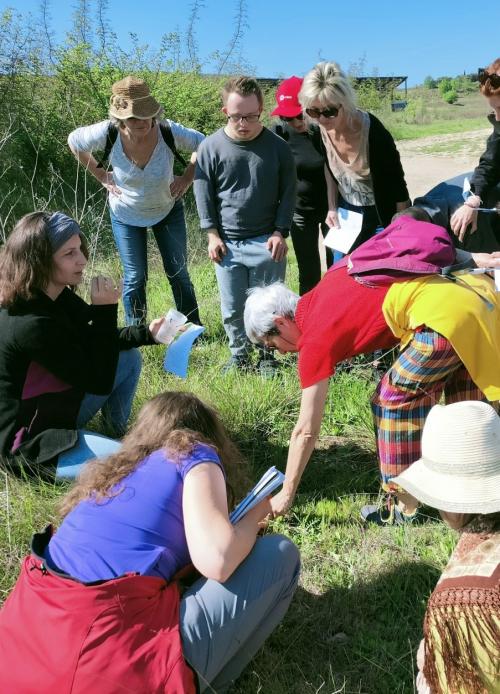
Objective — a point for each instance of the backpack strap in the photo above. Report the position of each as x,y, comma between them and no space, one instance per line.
111,136
166,133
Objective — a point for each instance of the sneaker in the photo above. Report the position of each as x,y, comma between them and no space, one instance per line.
268,367
388,513
236,364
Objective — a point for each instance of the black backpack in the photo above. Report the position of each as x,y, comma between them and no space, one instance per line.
166,133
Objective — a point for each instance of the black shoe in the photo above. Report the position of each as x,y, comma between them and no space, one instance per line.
236,364
268,367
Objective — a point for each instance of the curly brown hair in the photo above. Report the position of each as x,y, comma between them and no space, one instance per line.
172,421
26,259
487,88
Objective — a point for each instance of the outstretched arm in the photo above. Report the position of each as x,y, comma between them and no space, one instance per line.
302,442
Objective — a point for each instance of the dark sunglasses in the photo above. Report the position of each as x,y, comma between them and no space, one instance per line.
494,79
316,113
287,119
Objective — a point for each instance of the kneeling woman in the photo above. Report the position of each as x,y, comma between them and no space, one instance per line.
448,329
61,360
97,605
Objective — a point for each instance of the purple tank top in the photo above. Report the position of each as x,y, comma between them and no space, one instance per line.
139,530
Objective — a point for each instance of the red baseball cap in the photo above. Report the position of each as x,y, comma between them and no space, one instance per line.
287,98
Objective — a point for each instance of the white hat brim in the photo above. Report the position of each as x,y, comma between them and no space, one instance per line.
455,494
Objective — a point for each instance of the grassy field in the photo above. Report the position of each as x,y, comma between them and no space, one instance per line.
355,623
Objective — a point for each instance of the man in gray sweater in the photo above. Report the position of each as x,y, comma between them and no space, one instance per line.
245,194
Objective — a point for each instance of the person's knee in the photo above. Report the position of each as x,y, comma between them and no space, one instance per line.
285,554
130,361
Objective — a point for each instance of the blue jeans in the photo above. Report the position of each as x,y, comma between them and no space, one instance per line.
247,264
89,445
223,625
116,406
170,235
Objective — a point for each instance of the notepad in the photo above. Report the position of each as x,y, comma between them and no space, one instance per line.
268,483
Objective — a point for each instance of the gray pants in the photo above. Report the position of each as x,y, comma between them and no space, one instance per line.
224,624
247,264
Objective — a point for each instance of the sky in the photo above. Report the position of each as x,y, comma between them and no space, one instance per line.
409,37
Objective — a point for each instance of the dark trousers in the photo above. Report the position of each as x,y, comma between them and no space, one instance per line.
304,233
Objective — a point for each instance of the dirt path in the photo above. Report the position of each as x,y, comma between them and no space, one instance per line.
430,160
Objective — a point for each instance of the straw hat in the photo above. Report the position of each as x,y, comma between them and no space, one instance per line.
459,470
131,98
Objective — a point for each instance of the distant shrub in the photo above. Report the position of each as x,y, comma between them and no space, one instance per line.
430,82
445,85
450,96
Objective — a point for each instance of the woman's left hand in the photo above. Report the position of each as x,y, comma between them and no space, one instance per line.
154,326
179,186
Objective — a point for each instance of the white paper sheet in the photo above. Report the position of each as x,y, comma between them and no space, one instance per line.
350,225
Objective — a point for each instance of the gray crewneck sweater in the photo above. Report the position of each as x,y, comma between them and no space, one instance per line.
245,188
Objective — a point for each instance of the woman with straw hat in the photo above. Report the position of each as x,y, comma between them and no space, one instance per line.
459,474
143,191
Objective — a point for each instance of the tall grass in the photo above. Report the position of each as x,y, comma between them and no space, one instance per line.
355,623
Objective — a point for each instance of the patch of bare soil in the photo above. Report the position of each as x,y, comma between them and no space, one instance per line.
430,160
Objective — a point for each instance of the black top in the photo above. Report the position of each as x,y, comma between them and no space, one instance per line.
78,344
487,173
389,185
309,160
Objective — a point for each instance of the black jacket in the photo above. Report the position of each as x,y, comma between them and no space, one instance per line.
487,173
389,185
79,345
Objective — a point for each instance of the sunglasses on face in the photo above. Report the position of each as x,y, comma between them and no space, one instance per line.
250,118
494,79
316,113
288,119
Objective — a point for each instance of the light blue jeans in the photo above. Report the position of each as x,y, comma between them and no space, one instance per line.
247,264
223,625
115,408
170,235
117,405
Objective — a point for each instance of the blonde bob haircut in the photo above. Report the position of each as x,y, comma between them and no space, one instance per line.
328,84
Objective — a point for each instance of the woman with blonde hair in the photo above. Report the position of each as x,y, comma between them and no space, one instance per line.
363,168
97,605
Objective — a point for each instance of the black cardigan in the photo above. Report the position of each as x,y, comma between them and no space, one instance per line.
389,185
77,343
487,173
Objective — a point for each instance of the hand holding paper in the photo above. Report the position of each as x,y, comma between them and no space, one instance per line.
343,238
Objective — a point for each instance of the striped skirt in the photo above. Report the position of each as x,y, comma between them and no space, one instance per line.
427,368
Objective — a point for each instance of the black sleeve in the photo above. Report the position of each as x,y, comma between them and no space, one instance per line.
84,356
385,161
487,172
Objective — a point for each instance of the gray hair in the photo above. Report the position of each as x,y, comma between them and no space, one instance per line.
328,84
263,305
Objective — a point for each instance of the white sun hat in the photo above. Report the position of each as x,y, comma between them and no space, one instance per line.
459,470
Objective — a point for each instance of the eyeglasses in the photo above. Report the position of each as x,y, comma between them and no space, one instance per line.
250,118
494,79
272,332
288,119
316,113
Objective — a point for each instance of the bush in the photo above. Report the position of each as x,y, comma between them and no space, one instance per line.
450,96
430,82
445,85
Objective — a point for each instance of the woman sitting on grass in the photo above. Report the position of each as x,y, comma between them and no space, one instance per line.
97,605
61,360
459,474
